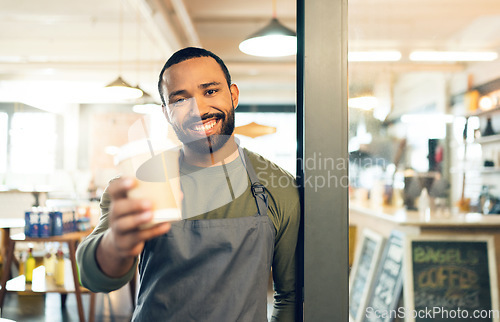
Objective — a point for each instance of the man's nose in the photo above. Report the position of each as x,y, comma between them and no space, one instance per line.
199,106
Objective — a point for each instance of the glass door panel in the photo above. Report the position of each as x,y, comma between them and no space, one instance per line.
424,122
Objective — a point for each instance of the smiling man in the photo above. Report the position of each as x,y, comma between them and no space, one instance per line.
200,107
215,264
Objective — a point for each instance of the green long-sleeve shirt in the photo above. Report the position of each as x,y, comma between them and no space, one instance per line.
207,195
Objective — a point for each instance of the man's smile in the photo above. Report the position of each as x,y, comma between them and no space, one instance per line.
206,127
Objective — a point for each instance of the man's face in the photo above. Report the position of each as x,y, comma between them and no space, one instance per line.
200,105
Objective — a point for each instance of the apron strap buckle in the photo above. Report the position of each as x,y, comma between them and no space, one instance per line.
259,191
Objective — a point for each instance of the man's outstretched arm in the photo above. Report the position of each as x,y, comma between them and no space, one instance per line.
107,257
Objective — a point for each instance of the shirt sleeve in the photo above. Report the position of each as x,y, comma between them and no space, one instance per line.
91,275
284,265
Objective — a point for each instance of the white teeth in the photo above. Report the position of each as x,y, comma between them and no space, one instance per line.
205,127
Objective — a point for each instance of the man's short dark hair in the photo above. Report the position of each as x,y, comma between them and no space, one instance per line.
188,53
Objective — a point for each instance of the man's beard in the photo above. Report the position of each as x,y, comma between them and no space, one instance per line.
210,143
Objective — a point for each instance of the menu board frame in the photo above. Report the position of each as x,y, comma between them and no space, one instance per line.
387,282
379,240
409,268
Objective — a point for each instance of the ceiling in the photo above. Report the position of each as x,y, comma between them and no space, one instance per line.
59,50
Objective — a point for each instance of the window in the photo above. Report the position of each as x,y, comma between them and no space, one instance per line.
279,147
3,141
32,143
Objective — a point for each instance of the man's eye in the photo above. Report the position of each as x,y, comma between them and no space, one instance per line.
179,101
211,91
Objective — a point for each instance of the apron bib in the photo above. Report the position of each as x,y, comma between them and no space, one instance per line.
209,270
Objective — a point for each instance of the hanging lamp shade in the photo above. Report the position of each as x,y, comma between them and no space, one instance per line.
274,40
120,89
254,130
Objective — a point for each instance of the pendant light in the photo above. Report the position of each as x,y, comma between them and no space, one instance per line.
274,40
145,104
119,88
254,130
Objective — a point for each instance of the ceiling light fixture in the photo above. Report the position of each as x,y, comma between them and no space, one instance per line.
274,40
145,104
120,89
254,130
486,103
360,56
453,56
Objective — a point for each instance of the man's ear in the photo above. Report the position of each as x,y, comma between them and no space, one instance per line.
235,94
165,112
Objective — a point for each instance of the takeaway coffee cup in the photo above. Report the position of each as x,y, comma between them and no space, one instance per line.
157,177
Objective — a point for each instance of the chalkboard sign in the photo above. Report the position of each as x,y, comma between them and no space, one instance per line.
361,276
451,278
388,282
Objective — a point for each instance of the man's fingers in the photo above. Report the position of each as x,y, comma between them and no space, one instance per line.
161,229
124,207
131,223
131,243
154,231
128,217
119,187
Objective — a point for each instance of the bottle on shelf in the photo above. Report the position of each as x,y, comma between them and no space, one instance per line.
424,205
59,269
48,262
489,128
30,266
22,262
484,197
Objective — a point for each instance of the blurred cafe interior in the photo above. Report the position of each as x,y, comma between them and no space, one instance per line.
423,141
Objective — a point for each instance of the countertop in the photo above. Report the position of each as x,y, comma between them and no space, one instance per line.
442,218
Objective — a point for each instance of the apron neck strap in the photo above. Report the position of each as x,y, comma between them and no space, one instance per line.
258,189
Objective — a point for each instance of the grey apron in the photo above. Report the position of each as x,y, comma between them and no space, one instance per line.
209,270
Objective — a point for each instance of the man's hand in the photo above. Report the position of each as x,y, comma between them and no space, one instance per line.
124,241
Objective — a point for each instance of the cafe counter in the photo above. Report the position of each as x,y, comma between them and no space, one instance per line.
418,222
438,259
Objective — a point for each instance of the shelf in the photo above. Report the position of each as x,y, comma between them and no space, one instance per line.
77,235
491,170
494,110
44,284
488,139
